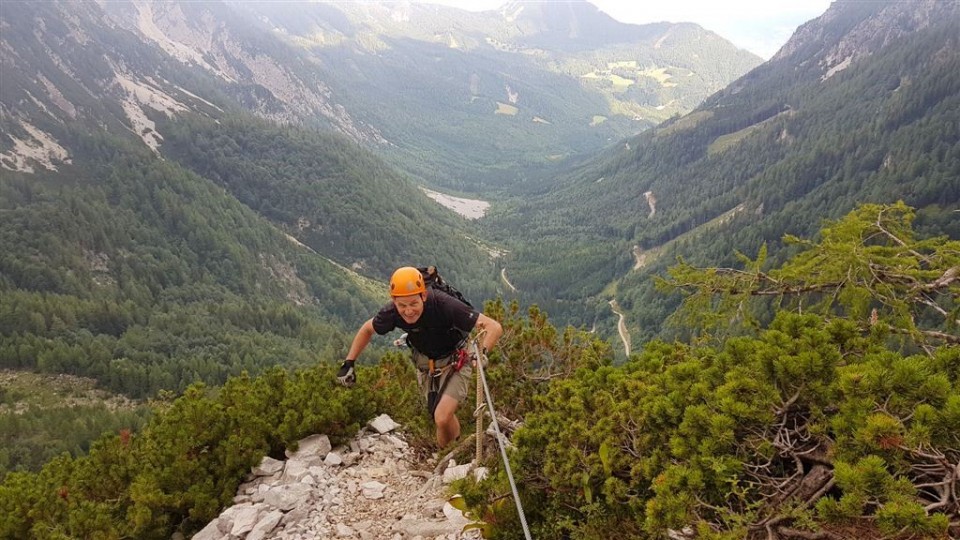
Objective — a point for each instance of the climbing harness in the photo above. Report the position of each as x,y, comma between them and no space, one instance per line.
500,441
454,362
484,401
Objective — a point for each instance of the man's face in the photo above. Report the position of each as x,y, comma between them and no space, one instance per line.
409,307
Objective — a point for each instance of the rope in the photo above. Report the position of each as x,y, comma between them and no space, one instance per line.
500,442
478,415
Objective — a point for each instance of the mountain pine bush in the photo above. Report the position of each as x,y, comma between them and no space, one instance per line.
840,418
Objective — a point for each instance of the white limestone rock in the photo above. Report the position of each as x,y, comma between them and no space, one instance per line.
373,490
267,467
378,480
383,424
312,447
396,442
426,528
456,472
244,520
296,469
265,525
288,497
210,532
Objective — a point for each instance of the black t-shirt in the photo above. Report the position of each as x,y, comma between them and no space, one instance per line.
443,323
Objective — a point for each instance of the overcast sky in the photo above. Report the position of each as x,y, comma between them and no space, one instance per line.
760,26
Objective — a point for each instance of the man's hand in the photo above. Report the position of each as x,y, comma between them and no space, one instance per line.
347,376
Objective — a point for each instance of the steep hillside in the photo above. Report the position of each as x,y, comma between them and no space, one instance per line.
145,276
90,62
155,233
464,97
459,99
336,199
862,105
113,70
43,416
818,425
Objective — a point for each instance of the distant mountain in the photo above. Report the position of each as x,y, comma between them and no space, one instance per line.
573,26
158,231
462,97
862,105
114,65
72,67
455,97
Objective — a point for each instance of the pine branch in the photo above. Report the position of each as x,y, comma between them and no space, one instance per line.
933,334
897,240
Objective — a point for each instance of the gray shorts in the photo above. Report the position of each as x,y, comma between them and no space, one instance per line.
458,385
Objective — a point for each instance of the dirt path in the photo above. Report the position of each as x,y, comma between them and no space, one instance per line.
374,488
621,327
503,276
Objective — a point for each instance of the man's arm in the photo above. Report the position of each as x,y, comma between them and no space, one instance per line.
492,333
361,340
347,376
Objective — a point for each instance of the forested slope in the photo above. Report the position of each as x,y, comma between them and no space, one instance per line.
332,196
145,276
834,423
835,420
793,142
139,273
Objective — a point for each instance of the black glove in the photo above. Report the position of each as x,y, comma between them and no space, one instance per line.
347,376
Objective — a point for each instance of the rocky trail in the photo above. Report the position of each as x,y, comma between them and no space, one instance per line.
373,488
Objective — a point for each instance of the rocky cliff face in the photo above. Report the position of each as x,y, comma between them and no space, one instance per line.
121,66
429,87
265,75
850,30
374,488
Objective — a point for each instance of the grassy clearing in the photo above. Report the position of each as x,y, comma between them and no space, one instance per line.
660,74
689,121
725,142
21,390
620,84
643,258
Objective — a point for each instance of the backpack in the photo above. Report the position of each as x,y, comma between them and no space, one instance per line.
432,279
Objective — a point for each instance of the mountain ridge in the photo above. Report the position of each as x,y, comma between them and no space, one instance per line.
784,136
303,66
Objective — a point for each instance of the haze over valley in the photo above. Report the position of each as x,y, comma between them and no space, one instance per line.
728,281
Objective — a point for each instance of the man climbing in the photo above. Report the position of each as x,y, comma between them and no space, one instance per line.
436,325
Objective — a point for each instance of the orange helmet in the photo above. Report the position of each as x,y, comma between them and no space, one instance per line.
406,281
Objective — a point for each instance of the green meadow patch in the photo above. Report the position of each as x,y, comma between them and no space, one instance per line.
724,142
685,123
597,120
503,108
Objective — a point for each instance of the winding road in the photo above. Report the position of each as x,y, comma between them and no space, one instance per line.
621,327
503,276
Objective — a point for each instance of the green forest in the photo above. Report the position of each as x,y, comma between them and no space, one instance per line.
883,130
835,419
331,195
154,279
148,275
786,258
146,278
